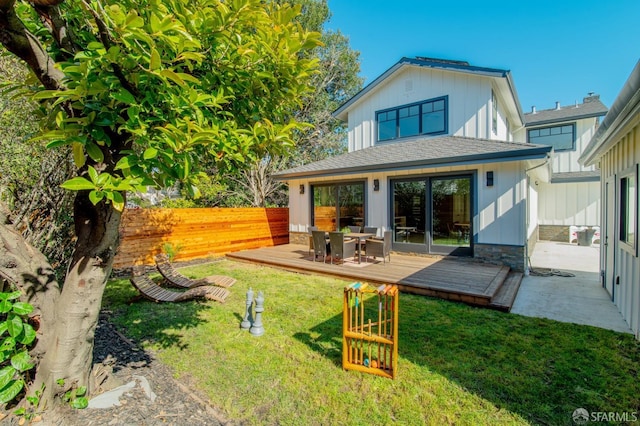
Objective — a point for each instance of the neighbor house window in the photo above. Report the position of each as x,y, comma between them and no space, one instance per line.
421,118
561,138
494,116
628,209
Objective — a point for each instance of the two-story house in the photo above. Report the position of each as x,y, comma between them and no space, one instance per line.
432,156
572,196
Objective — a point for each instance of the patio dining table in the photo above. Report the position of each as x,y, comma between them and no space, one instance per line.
360,236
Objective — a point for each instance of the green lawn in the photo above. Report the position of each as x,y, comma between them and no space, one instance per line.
457,364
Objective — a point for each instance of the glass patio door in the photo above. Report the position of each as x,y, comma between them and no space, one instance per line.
433,215
338,206
409,213
450,215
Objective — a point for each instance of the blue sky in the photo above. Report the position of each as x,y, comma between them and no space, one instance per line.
556,50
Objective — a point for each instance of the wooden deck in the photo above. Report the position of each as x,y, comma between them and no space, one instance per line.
445,277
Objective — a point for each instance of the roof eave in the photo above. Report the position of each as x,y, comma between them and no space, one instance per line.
493,157
565,119
624,107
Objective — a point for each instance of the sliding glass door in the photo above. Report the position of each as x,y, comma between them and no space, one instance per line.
433,214
450,214
409,212
337,206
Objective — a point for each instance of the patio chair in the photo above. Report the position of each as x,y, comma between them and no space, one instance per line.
311,229
371,230
152,291
379,248
354,228
454,231
176,279
319,245
341,248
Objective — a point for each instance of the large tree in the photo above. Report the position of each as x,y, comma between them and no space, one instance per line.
335,82
140,91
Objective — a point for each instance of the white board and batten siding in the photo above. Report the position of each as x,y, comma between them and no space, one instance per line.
569,204
623,156
501,209
567,161
469,104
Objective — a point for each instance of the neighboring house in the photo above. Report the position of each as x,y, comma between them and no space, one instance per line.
615,150
572,197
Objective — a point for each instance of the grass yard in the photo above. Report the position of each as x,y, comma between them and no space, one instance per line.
457,364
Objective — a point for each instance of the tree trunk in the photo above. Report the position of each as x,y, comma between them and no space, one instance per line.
70,354
28,269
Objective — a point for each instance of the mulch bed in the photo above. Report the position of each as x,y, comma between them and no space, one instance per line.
175,403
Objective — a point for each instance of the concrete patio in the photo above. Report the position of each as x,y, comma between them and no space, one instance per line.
580,299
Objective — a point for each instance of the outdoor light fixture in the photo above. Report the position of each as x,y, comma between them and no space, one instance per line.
489,178
301,189
376,185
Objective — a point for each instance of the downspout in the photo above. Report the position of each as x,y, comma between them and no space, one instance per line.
526,225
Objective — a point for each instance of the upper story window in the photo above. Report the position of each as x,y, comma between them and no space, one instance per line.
494,115
561,138
421,118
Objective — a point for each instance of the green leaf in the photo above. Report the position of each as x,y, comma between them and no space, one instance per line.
94,152
22,361
78,154
8,344
124,96
6,374
3,327
155,62
28,335
22,308
96,196
14,325
77,184
93,175
5,306
150,153
59,118
188,77
94,45
118,201
9,392
171,75
80,403
13,295
126,162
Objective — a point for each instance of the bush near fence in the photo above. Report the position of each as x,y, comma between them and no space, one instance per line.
198,233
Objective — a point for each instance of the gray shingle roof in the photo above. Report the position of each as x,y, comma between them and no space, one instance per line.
418,153
592,107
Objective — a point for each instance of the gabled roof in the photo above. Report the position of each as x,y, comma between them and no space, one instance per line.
624,108
590,107
418,153
456,66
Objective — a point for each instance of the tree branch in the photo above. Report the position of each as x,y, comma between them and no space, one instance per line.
15,37
105,38
57,26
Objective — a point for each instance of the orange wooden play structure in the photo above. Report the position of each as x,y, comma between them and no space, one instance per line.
370,346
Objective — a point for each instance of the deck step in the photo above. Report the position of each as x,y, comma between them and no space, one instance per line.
497,282
506,294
